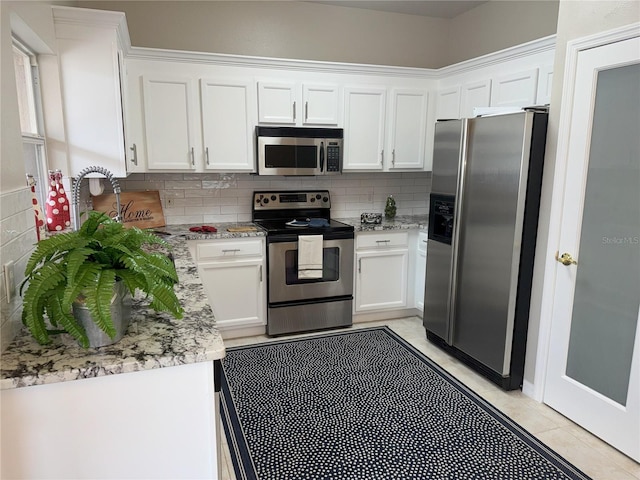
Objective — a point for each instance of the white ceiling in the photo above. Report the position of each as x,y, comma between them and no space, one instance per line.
427,8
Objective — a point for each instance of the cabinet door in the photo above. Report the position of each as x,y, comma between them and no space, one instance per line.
408,128
545,81
515,90
169,125
91,98
476,94
235,291
320,104
277,102
364,128
227,125
381,280
421,270
448,103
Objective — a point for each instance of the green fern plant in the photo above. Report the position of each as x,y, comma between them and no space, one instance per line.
84,265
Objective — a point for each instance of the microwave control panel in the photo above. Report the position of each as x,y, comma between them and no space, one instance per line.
333,157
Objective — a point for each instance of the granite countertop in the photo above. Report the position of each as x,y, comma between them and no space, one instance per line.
401,222
183,231
153,340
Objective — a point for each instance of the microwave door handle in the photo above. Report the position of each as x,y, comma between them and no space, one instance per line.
321,157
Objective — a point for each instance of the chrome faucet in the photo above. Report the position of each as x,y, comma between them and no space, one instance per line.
75,202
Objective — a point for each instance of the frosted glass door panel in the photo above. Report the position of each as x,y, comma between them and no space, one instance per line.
607,291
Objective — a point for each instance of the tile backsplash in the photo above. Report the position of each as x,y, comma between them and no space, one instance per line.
17,241
209,198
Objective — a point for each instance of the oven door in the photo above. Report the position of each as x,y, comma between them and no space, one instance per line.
337,274
290,156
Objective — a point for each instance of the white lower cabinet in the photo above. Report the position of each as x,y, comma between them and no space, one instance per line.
382,265
233,275
421,270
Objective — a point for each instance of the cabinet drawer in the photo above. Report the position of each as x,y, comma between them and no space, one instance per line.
382,240
224,248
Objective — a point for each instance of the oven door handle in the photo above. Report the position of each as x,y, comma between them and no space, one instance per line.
321,157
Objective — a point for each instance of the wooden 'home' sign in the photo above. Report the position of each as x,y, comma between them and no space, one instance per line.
138,209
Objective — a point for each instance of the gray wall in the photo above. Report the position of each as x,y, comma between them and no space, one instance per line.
304,30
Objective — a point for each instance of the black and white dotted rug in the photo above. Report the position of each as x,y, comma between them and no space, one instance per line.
366,405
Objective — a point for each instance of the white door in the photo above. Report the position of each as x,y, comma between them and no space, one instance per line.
593,371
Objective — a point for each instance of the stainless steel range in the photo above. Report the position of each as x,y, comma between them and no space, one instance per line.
309,261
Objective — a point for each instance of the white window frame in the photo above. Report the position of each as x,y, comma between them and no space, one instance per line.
35,140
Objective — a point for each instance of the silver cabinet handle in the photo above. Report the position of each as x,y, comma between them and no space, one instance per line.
386,242
393,157
294,111
206,154
424,241
381,157
359,265
260,273
193,157
306,111
231,250
134,149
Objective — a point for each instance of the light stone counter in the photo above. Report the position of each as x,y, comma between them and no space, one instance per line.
402,222
153,340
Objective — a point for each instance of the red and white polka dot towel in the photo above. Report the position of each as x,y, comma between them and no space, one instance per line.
57,208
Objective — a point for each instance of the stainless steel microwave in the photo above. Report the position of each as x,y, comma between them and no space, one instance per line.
299,151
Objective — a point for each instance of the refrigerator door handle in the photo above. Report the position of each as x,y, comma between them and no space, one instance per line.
462,165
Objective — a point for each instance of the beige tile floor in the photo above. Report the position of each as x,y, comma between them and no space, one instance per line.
585,451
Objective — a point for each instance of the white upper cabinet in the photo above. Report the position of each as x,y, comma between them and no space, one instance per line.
169,111
474,95
408,128
515,89
364,126
227,124
381,138
90,47
291,103
197,121
448,103
517,77
320,103
545,80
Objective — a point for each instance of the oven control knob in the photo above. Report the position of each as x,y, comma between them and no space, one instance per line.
265,201
273,198
312,199
318,196
325,199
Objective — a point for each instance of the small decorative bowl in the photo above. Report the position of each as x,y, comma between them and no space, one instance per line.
371,218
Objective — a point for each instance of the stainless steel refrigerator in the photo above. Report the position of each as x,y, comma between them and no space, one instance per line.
485,195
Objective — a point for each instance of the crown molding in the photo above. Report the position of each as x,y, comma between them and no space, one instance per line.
95,18
541,45
182,56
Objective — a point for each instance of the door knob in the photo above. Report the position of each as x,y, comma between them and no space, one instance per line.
566,259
